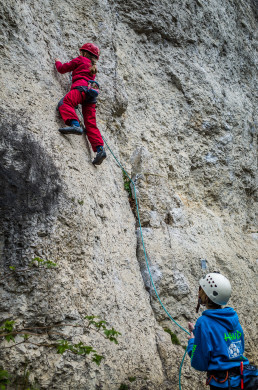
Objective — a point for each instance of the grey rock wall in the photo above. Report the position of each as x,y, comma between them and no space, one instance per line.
177,107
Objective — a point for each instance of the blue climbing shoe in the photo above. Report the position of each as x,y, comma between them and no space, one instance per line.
100,156
71,130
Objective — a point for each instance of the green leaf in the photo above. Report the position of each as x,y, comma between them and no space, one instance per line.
4,378
47,263
62,346
3,374
90,318
50,264
127,186
97,359
8,326
38,260
132,378
78,349
100,324
81,349
110,335
123,387
9,338
12,267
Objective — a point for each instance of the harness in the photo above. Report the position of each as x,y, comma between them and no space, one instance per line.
247,372
90,92
223,376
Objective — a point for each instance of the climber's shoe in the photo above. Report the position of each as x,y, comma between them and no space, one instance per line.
71,130
100,156
74,128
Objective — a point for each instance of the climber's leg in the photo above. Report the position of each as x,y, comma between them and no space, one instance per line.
93,133
66,108
100,156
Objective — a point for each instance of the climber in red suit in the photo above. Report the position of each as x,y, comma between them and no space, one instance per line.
84,91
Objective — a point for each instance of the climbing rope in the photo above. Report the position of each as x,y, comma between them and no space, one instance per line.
146,258
180,369
145,254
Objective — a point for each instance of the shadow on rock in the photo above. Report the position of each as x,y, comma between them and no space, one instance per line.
30,188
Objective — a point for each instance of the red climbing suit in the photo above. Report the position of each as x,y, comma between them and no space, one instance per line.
80,68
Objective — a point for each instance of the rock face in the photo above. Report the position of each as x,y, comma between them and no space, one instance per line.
177,107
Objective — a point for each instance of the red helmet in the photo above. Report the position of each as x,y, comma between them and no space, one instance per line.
91,48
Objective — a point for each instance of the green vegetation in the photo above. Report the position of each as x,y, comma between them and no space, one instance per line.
132,378
33,335
44,263
127,186
123,386
36,262
173,336
9,331
4,378
21,382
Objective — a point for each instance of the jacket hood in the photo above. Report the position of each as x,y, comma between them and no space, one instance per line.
227,317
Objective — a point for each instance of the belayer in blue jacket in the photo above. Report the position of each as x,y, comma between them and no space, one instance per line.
216,344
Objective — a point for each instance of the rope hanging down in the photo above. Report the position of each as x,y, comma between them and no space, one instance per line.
145,254
146,258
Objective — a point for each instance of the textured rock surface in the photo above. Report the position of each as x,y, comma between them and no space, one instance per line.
177,106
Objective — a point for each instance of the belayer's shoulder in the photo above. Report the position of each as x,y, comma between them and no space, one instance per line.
200,321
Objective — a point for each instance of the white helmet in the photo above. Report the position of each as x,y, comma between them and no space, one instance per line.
217,287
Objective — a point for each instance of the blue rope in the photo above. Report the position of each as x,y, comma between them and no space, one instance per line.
146,259
145,254
180,369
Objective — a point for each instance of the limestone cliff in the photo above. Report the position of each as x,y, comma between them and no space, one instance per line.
177,107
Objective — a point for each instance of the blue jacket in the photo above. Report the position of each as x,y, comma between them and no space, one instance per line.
218,343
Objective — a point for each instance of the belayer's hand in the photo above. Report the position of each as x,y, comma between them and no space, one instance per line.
190,326
191,336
